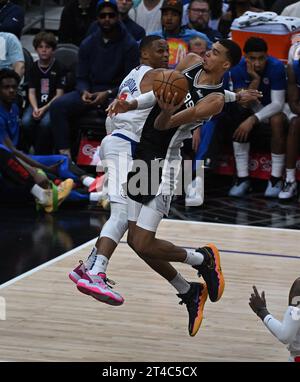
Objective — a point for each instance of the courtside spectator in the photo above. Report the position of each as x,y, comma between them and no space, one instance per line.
147,15
16,166
178,36
259,71
199,17
105,58
46,83
11,53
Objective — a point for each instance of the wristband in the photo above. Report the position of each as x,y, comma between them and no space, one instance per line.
231,96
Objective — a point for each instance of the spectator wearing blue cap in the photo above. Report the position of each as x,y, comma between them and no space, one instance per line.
105,58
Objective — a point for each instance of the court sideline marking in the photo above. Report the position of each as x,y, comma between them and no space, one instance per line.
88,243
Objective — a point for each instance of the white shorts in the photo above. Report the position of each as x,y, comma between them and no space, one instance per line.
116,157
148,216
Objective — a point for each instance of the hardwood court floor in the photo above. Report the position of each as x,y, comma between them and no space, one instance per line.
48,320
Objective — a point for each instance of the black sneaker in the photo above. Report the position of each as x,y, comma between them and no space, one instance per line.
194,299
211,271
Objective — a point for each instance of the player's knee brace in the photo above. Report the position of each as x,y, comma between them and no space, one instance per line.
117,224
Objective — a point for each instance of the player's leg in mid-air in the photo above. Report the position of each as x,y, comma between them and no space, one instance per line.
143,223
90,276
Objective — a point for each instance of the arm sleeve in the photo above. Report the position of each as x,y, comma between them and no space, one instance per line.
276,105
286,330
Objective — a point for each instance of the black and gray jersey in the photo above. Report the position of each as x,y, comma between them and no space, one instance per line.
165,144
160,143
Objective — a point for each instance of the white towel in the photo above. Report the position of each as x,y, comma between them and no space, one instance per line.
249,19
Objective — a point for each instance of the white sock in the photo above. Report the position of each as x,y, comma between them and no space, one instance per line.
99,266
278,161
180,284
241,154
290,175
193,257
91,259
87,181
40,193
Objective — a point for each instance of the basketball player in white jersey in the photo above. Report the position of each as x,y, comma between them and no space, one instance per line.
287,331
116,155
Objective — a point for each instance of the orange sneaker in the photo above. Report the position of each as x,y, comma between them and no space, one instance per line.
195,300
211,271
57,195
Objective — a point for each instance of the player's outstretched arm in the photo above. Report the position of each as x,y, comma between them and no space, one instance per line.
120,106
244,97
143,101
210,105
284,331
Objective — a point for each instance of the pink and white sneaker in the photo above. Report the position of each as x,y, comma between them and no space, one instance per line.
97,287
77,272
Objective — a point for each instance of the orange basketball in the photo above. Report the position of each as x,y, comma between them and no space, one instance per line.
171,81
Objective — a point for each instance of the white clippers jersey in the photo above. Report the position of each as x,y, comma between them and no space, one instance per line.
132,122
287,331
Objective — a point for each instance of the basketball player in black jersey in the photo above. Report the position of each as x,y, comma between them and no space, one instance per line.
157,145
161,139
